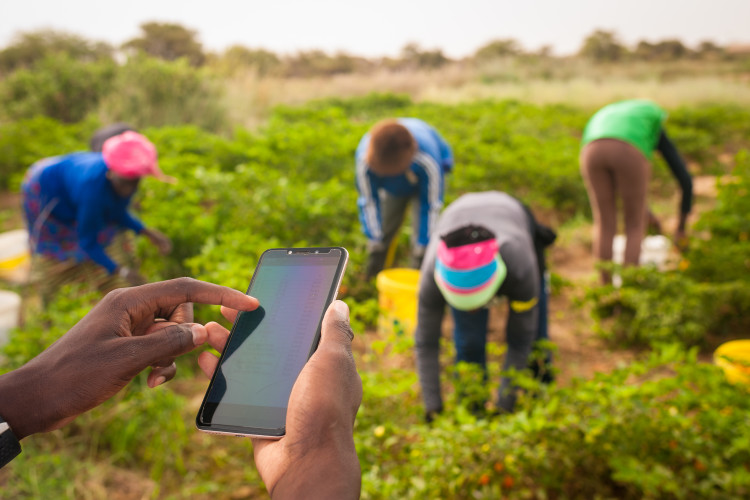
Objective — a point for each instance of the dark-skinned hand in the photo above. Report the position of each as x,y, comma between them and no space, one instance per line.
129,330
316,458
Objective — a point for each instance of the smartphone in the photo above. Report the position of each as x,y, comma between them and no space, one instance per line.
268,347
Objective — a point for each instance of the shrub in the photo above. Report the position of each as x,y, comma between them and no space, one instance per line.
28,48
150,92
653,307
666,427
58,87
26,141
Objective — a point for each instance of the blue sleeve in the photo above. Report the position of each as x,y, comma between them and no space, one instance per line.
430,195
446,153
368,203
90,220
128,220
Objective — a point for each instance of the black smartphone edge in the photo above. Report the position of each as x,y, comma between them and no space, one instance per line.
266,433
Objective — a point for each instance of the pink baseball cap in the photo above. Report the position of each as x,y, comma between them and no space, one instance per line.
131,155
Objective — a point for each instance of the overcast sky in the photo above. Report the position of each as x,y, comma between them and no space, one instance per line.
377,28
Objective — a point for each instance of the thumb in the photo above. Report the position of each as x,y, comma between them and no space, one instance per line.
169,342
334,360
335,328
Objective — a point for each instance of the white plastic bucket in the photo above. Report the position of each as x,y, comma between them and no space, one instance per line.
654,252
10,309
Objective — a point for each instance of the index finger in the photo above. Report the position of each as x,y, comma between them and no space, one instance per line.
171,293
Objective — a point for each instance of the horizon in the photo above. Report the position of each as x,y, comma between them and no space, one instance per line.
333,26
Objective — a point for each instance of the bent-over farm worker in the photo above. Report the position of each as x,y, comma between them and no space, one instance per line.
76,207
617,148
485,245
400,161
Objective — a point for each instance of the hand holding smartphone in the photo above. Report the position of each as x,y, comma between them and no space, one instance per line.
268,347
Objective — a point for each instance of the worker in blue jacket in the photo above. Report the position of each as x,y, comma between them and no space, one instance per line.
400,161
77,205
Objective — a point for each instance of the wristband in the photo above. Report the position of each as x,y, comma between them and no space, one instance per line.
10,448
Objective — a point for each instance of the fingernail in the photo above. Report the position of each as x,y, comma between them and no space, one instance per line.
341,309
159,380
199,334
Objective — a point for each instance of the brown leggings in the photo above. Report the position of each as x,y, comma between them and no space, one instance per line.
611,167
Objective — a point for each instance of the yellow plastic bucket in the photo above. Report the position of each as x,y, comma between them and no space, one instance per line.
734,358
397,298
14,255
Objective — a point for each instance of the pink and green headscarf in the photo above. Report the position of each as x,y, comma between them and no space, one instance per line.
469,275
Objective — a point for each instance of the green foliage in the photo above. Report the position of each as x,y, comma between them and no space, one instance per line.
415,56
43,326
702,133
653,307
728,222
602,46
237,58
28,48
667,427
27,141
150,92
310,63
497,49
168,41
57,86
138,426
664,50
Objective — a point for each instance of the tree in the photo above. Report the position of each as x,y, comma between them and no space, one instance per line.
150,92
168,41
237,56
665,50
58,87
413,55
602,46
709,50
28,48
497,49
670,50
317,62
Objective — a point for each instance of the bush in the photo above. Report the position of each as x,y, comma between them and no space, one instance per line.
150,92
26,141
653,307
701,133
43,326
31,47
58,87
667,427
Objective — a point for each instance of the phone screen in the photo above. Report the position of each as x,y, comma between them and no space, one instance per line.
268,347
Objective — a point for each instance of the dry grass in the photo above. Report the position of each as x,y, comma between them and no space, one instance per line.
250,98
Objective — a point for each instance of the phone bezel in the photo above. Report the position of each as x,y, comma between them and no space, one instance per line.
273,433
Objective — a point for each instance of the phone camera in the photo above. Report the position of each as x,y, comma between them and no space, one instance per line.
317,251
289,252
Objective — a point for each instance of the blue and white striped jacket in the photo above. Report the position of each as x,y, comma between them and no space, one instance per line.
425,177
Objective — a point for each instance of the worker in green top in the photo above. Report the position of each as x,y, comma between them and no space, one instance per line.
616,152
